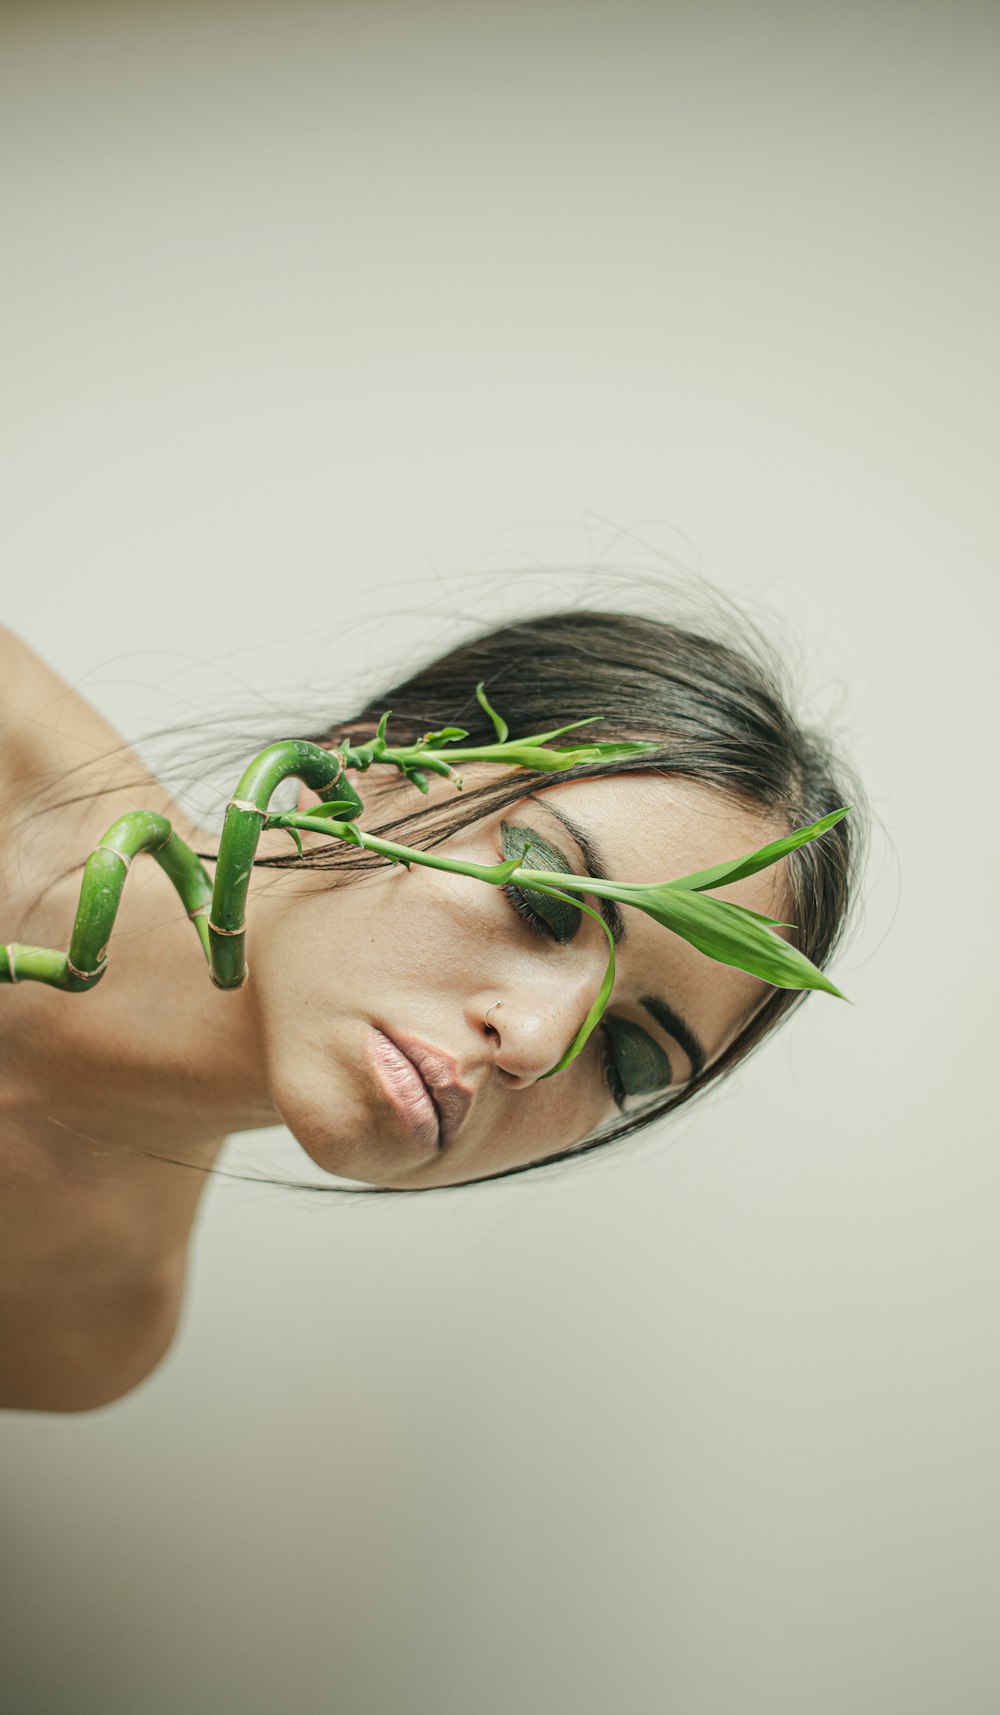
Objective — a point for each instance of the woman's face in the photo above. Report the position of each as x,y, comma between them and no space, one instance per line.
355,986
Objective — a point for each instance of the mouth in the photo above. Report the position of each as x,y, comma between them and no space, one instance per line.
431,1075
406,1090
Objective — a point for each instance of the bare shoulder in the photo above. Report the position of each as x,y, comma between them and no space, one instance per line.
65,775
44,723
91,1284
53,1358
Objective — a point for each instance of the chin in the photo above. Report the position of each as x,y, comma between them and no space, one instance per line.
351,1138
344,1153
361,1151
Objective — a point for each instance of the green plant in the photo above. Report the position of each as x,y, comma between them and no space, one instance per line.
723,931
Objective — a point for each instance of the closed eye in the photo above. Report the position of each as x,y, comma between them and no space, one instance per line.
557,918
612,1076
519,900
521,903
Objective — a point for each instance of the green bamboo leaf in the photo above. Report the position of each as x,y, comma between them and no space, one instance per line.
513,753
557,731
593,1017
500,726
758,916
447,735
495,873
600,752
335,807
739,867
730,934
522,754
382,725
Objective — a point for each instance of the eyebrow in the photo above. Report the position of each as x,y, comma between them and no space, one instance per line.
657,1008
676,1027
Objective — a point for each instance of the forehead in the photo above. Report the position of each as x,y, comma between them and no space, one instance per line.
645,827
651,828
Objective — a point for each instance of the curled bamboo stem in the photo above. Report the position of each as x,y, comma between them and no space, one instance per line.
104,877
721,930
217,910
246,817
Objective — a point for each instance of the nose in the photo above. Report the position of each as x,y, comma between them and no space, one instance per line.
530,1025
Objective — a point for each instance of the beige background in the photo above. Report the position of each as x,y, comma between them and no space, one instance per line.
327,329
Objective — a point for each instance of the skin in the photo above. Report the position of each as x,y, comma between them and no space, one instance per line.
429,953
96,1090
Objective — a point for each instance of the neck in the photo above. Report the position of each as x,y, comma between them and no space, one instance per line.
153,1065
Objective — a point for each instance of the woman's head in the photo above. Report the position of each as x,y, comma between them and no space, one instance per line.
445,964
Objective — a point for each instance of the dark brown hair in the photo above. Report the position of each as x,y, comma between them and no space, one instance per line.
718,714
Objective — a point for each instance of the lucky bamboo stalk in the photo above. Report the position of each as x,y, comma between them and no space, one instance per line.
246,817
101,890
726,932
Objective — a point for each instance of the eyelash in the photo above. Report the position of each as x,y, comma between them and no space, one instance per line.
517,899
612,1076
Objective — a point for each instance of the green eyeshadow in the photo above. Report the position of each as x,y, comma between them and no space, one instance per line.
642,1065
564,920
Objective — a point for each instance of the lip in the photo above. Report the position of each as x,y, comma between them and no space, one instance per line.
438,1076
405,1090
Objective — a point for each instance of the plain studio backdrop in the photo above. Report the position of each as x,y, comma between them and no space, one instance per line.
330,331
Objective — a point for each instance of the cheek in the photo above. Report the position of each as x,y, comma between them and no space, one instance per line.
552,1115
566,1108
430,921
398,932
543,1121
412,944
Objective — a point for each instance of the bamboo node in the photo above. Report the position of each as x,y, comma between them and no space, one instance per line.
86,976
127,861
332,783
245,804
199,911
217,931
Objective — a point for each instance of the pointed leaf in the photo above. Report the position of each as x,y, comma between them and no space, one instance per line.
597,752
593,1017
521,754
500,726
729,934
737,868
758,916
495,873
557,731
447,735
732,934
335,807
295,837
